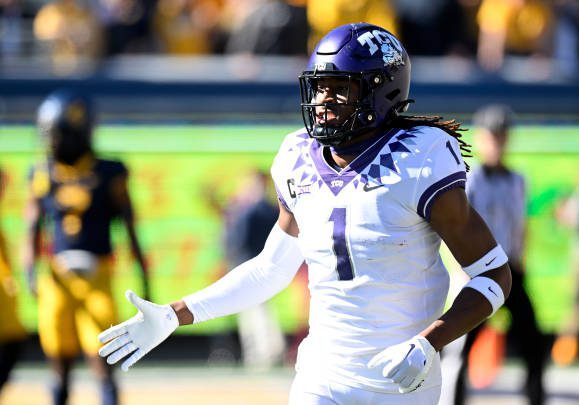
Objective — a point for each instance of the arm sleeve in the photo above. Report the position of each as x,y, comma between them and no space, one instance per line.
442,169
252,282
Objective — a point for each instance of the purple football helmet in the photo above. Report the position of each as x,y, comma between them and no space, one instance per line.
376,69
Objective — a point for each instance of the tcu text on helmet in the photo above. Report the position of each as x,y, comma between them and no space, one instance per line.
381,37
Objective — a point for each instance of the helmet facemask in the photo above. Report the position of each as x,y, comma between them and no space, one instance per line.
350,111
68,146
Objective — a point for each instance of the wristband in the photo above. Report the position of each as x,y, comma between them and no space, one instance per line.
489,289
493,259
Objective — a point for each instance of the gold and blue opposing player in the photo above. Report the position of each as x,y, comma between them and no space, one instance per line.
77,195
366,195
12,333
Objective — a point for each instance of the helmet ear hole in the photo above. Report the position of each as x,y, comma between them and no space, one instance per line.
402,106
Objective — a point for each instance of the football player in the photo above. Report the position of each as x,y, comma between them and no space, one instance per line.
366,195
78,195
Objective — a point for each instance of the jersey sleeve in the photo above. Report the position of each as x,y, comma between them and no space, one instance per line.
442,169
282,168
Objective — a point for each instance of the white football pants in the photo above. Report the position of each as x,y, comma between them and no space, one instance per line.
312,391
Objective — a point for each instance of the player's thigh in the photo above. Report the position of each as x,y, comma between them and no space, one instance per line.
309,391
91,320
425,396
97,311
315,391
56,325
346,395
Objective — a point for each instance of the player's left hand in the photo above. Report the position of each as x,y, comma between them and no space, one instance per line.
406,363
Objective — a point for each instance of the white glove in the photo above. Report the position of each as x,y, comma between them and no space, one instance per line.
139,334
406,363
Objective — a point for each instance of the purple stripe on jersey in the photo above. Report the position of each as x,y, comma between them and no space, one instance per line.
405,136
362,161
387,161
337,181
299,163
430,195
398,147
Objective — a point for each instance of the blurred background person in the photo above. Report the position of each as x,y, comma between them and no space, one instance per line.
271,27
12,333
185,27
247,218
72,33
566,41
78,195
11,28
499,195
431,27
516,27
325,15
126,25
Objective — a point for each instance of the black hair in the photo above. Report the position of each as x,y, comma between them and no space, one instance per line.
451,127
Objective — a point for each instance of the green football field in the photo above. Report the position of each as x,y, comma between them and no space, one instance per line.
172,167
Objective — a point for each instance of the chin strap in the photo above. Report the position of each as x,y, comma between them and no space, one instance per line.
402,106
399,107
355,148
320,134
349,134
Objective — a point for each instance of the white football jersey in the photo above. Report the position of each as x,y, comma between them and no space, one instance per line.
375,274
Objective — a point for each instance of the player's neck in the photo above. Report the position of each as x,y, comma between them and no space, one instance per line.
342,155
336,161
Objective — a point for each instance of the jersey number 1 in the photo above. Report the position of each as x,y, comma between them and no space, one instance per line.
452,152
344,263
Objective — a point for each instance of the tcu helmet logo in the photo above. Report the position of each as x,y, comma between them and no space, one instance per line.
388,44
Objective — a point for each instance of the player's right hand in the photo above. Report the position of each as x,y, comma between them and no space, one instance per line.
407,363
140,334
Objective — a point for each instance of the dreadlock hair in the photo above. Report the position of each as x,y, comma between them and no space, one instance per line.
451,127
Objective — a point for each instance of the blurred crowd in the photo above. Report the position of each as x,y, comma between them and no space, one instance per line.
72,32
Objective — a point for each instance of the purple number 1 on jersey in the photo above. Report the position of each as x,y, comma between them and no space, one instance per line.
344,264
452,152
